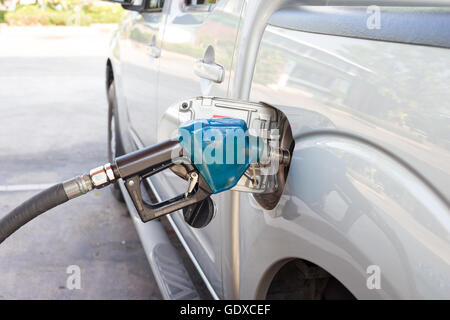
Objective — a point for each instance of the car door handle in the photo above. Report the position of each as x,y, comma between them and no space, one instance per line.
154,51
210,71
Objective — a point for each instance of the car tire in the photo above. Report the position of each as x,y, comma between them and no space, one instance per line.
115,145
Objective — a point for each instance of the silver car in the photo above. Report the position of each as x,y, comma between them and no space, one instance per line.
360,97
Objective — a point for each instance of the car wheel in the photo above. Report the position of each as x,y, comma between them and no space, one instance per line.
115,146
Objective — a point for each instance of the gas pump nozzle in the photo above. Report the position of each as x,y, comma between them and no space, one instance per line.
226,139
207,174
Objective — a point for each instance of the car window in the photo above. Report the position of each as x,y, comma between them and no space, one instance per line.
155,5
197,5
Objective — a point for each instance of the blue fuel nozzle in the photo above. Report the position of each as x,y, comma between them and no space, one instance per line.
214,153
221,149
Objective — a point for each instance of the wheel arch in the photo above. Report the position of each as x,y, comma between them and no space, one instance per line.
280,274
268,276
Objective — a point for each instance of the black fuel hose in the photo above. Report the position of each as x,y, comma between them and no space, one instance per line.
135,163
54,196
30,209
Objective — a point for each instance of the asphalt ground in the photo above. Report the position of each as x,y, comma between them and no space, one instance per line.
53,122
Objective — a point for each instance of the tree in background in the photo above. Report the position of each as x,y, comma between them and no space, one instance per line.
60,12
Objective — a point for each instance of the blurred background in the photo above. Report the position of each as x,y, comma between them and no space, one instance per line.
58,12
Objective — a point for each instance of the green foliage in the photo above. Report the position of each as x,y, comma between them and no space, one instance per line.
34,15
2,16
69,15
104,14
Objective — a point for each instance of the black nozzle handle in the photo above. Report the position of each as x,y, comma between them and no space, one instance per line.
149,211
134,167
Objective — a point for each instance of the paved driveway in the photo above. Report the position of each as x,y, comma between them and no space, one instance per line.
53,126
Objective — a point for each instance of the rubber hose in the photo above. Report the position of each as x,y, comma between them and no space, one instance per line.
30,209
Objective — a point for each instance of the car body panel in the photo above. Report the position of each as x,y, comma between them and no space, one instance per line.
118,50
368,183
140,72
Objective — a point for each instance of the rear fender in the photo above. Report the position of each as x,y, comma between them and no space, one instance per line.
354,209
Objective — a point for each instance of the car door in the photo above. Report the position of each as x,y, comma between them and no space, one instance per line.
197,32
139,69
